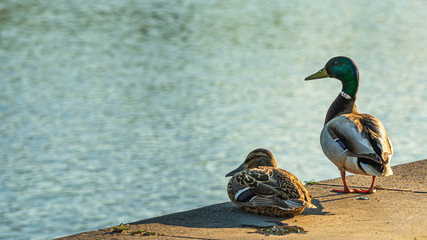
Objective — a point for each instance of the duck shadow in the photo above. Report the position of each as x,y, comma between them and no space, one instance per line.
223,215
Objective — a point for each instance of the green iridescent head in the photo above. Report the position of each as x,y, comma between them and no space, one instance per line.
343,69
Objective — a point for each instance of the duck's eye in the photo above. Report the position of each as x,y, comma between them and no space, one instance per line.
336,63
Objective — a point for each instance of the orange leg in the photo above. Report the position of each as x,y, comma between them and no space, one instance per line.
371,188
346,189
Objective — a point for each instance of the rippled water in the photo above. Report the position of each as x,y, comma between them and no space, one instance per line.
115,112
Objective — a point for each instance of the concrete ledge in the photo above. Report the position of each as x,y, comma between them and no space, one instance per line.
396,212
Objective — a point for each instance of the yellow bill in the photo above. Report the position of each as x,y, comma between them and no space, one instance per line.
320,74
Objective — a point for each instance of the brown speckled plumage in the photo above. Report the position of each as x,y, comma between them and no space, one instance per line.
270,191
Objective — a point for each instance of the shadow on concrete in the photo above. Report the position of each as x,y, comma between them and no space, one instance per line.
223,215
314,211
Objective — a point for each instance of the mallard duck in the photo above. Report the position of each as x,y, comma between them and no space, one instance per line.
258,186
353,141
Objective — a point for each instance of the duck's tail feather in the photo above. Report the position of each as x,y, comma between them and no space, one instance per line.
289,204
296,203
310,205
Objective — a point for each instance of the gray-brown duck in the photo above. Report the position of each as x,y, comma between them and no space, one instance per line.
258,186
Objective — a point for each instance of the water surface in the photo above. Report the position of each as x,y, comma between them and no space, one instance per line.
115,112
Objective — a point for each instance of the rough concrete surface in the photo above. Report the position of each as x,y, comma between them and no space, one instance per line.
396,212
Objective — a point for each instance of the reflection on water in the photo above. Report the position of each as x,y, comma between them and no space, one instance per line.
126,110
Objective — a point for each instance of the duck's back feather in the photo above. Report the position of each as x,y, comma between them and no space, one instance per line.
268,187
363,143
373,130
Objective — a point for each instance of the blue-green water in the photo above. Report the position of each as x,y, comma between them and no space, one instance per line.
123,110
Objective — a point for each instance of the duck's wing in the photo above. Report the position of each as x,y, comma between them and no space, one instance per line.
246,197
290,204
364,137
260,181
263,189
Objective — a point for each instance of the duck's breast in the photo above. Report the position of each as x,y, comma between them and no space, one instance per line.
334,150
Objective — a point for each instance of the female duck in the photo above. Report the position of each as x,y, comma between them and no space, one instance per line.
259,186
354,142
